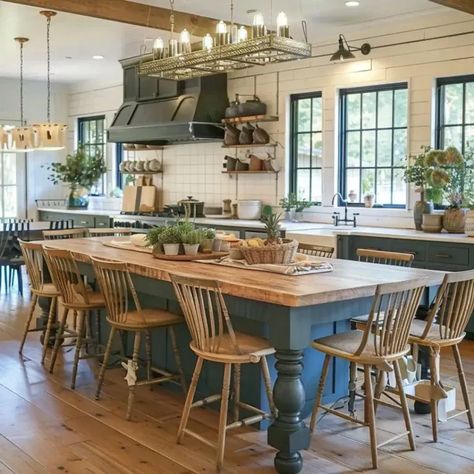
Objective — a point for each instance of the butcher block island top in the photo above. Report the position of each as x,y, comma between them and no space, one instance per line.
349,280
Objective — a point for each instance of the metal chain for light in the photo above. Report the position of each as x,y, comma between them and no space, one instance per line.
21,84
171,18
48,53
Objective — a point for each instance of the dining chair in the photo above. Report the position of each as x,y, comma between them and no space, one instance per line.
316,250
40,288
61,224
65,234
118,290
383,346
109,232
445,327
215,340
385,258
75,296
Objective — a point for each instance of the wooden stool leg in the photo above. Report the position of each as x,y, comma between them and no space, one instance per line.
223,416
189,400
79,342
34,300
370,415
148,356
404,404
105,361
381,382
132,388
268,385
236,391
462,380
47,334
319,393
177,358
57,342
434,376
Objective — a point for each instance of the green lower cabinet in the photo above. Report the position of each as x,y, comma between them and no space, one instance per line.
80,220
431,255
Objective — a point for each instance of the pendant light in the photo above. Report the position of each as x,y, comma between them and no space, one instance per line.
22,137
4,139
345,50
51,136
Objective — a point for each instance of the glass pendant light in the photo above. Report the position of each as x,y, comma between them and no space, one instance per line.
207,42
22,138
282,25
184,42
4,139
51,136
221,33
258,28
158,48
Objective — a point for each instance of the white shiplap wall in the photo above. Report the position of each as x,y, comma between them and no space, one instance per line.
196,169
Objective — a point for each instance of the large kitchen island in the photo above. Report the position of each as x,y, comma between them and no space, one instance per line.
289,310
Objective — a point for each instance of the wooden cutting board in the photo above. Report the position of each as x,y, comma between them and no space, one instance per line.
139,198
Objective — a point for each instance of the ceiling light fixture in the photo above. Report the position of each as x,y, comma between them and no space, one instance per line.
51,136
345,51
352,3
97,56
231,48
22,137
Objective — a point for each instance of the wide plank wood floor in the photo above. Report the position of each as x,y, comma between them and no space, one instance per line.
45,427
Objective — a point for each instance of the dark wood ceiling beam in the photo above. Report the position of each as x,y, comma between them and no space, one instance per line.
124,11
466,6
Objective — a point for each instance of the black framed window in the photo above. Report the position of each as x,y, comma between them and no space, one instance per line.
455,112
373,143
306,146
92,136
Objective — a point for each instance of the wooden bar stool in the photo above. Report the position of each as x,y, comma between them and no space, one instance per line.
33,255
445,327
105,232
65,234
214,340
117,287
316,250
382,347
76,297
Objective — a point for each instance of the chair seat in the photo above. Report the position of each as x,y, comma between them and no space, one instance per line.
147,319
345,345
47,289
252,349
434,335
95,301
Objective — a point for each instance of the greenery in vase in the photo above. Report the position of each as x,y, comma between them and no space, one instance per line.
79,170
293,202
459,191
272,228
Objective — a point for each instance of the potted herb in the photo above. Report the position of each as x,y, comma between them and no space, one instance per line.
301,205
80,171
170,239
289,203
152,239
191,241
208,240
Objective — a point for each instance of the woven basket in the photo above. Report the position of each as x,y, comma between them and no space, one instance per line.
281,254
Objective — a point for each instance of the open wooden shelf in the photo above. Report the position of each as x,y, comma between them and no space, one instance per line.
142,173
252,145
250,172
251,118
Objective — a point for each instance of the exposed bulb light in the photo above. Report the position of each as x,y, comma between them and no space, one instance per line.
158,48
98,57
258,28
221,27
207,42
242,34
282,25
352,3
221,33
185,41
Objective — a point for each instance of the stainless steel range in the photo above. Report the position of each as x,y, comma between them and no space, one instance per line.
143,220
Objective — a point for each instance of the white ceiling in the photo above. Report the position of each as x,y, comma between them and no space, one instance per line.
79,38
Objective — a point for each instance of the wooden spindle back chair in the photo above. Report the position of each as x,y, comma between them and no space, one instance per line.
316,250
34,261
105,232
385,258
65,234
61,224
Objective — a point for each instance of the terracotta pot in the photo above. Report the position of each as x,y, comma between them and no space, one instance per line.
469,227
421,208
454,220
432,222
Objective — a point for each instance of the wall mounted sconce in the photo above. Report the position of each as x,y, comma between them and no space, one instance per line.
345,51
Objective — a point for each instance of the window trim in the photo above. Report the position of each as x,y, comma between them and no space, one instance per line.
439,109
342,135
294,98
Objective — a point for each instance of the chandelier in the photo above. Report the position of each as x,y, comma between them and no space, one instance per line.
51,136
231,48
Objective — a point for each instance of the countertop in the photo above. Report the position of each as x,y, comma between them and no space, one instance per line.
285,290
86,212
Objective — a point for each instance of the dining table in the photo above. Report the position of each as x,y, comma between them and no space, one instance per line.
290,311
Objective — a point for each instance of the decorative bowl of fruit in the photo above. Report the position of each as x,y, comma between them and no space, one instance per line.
272,250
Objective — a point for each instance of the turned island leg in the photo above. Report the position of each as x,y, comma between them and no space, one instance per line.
288,433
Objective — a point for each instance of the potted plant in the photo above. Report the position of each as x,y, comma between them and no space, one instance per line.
153,239
208,240
418,171
289,204
457,189
191,241
170,239
369,199
301,205
81,171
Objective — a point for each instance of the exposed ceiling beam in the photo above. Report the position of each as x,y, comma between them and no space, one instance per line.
124,11
463,5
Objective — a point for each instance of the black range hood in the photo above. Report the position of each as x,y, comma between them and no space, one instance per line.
177,112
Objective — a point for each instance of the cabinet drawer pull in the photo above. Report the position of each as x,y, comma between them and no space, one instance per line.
84,222
101,224
443,255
